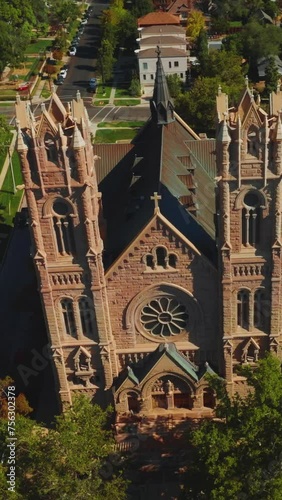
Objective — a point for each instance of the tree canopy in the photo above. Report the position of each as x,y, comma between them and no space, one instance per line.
195,23
239,455
65,461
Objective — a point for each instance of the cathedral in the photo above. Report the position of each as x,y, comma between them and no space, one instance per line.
158,262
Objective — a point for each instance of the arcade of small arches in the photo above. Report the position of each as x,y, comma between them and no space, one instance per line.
251,202
159,259
167,393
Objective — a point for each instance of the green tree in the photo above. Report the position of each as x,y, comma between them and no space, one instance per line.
197,107
271,76
63,12
13,43
135,87
140,8
202,50
195,23
67,461
228,68
106,60
240,454
175,85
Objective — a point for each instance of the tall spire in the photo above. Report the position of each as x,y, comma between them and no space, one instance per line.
161,104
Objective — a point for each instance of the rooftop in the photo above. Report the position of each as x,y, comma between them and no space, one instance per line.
158,18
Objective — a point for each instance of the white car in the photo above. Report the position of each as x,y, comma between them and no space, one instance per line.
72,51
63,73
83,22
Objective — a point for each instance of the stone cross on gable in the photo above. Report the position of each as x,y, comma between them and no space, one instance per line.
158,51
156,197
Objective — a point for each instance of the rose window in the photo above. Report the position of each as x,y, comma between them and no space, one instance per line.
164,317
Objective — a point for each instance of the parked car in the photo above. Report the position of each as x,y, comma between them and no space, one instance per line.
63,73
72,51
92,86
23,86
59,80
84,21
74,43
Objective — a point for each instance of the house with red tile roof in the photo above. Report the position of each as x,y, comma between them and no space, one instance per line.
158,18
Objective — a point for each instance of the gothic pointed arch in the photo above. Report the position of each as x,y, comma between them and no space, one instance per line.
51,148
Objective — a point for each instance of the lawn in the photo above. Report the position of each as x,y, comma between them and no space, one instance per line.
101,102
126,102
40,45
115,124
100,93
9,202
113,135
4,154
7,94
122,92
46,92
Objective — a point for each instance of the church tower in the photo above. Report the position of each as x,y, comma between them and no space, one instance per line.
249,159
67,226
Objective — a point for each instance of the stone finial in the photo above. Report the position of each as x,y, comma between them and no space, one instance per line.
219,90
43,108
223,134
247,81
278,87
18,98
78,96
258,99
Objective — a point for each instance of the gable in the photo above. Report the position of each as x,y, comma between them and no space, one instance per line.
159,232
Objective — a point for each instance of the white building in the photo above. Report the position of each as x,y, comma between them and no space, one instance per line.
172,42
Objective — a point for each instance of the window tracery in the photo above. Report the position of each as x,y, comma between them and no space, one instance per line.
63,227
164,317
251,214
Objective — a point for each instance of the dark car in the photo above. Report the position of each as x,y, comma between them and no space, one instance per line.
59,80
92,86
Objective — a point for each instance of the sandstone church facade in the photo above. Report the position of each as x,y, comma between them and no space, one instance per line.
158,261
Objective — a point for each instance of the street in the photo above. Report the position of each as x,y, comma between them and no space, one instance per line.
81,68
